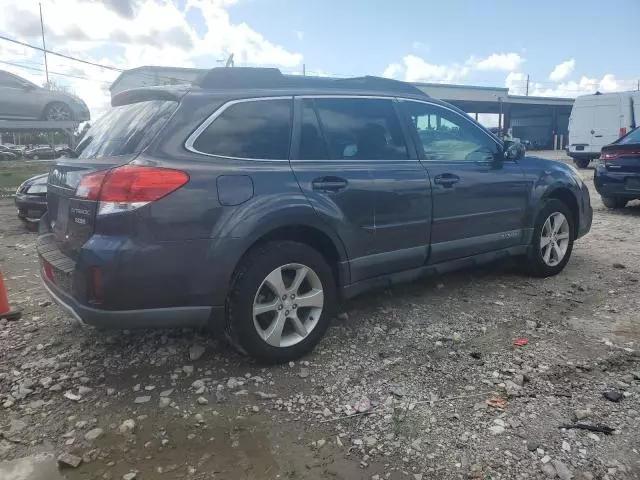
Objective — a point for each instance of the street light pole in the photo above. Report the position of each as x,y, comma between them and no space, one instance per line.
44,47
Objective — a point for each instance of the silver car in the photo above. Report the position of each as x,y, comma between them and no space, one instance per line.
22,100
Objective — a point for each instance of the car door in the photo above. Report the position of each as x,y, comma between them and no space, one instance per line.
18,98
479,199
338,185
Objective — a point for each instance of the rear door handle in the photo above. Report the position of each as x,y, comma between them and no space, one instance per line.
329,184
598,136
447,180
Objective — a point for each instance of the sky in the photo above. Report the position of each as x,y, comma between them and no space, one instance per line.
566,48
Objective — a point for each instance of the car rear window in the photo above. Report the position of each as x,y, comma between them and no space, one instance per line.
633,137
126,130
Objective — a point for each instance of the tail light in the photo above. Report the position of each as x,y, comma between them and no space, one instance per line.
623,131
609,155
129,187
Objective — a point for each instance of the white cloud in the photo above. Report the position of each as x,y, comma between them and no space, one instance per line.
516,83
392,70
498,61
132,33
300,35
417,69
562,70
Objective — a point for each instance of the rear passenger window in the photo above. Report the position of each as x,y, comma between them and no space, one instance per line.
257,129
361,129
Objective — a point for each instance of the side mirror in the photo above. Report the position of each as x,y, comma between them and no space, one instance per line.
513,150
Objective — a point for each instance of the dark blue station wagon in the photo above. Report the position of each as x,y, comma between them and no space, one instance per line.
252,201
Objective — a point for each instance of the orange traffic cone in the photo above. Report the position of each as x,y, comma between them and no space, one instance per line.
5,308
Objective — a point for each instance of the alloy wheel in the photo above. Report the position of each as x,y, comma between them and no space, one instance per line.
288,305
554,239
58,112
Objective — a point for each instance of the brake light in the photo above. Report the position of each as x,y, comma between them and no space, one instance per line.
623,131
129,187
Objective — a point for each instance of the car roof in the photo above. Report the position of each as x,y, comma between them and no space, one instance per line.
244,82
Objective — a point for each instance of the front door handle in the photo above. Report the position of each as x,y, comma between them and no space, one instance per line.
447,180
329,184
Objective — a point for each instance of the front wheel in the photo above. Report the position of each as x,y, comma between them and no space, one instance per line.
614,202
552,240
582,162
281,302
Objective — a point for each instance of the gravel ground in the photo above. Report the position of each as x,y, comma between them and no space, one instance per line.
421,381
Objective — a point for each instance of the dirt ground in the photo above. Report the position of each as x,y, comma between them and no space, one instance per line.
446,393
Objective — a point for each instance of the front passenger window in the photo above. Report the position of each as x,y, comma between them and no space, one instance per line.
447,136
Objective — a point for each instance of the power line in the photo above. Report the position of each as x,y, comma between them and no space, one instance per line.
115,69
55,73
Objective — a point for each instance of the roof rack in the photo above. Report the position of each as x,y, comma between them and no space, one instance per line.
254,77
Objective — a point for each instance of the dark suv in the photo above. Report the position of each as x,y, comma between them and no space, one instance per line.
252,201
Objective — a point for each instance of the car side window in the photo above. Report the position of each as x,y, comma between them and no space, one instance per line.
7,80
447,136
256,129
361,129
313,145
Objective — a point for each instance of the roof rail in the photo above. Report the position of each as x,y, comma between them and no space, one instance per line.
254,77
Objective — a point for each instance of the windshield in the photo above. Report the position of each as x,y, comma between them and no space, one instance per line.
127,129
633,137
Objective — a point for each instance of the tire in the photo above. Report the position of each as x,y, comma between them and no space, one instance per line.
250,287
57,111
614,202
582,162
536,264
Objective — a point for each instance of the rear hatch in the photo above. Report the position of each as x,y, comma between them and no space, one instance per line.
115,139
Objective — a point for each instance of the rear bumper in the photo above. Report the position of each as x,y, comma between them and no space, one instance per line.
30,207
614,184
130,319
582,155
142,285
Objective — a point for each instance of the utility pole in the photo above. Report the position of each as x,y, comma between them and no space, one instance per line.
638,85
304,70
44,47
527,94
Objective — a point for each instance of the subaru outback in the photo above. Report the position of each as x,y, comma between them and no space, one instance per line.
252,202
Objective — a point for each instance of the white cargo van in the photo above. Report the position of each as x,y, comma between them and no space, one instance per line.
598,120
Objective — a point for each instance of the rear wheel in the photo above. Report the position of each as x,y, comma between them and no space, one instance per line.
552,241
582,162
281,303
58,111
614,202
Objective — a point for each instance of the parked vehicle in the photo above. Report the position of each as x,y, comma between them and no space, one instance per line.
598,120
15,150
7,155
251,201
42,153
617,175
22,100
31,198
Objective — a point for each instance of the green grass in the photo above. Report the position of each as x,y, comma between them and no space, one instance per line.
12,174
